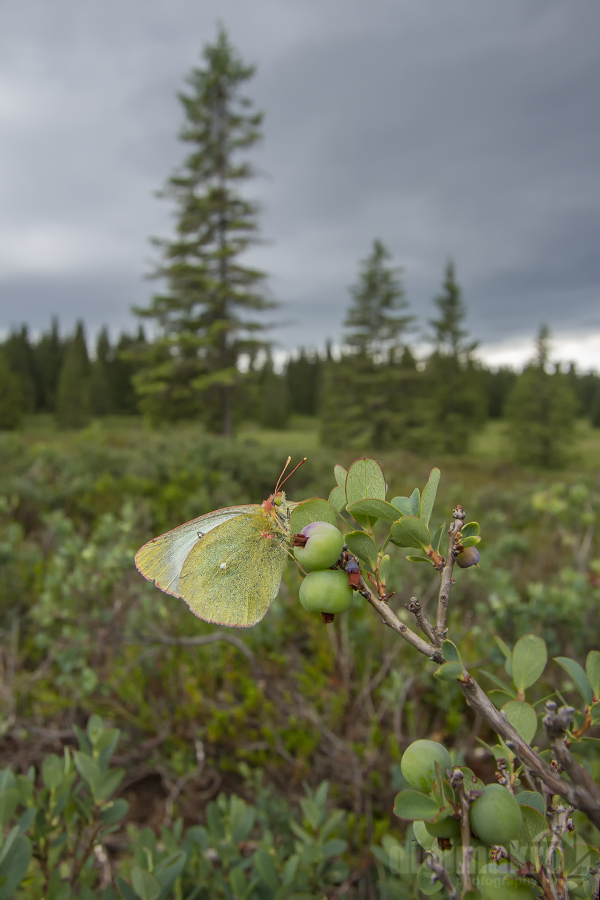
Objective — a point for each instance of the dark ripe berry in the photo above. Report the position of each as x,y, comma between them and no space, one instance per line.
418,763
469,557
322,548
327,591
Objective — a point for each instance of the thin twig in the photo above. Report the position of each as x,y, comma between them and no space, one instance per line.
446,580
158,637
439,873
390,618
458,783
414,607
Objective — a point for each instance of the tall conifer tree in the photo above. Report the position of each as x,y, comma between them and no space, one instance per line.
206,318
11,399
100,387
49,352
456,402
73,402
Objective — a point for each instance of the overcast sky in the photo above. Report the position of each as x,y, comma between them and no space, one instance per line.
462,129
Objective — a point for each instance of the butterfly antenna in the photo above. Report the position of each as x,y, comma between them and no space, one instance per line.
281,483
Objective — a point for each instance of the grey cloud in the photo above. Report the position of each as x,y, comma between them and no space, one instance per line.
467,130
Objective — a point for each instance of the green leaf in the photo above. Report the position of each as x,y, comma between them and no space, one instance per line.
592,668
534,799
534,826
470,780
114,812
53,769
498,681
381,509
436,540
88,768
340,474
337,499
362,545
429,494
578,675
425,881
449,671
522,717
365,479
414,805
384,568
529,658
9,800
145,884
471,529
108,783
403,505
95,727
471,541
450,651
410,531
419,559
333,847
313,510
126,892
579,858
266,869
14,867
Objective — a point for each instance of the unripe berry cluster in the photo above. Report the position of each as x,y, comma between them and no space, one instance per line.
324,589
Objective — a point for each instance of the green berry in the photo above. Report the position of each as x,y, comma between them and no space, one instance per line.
322,548
501,882
496,816
327,591
418,764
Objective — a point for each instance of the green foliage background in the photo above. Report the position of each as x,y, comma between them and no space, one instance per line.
84,634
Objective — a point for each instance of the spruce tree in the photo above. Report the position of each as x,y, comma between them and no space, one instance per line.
48,355
11,399
541,411
373,326
363,401
73,401
100,387
456,402
19,353
206,319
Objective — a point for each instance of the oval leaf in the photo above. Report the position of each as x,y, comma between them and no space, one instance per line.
471,541
580,858
145,884
411,531
532,798
365,479
429,493
522,717
534,826
313,510
529,658
362,545
337,499
450,651
425,881
414,805
340,474
403,505
449,671
471,529
373,507
579,677
592,669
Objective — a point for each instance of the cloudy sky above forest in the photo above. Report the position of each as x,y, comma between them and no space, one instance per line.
447,129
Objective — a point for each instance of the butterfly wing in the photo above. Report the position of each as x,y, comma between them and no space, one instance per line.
162,558
231,575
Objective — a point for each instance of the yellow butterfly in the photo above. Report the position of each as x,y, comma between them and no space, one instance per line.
227,565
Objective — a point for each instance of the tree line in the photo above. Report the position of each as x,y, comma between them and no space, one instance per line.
209,359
